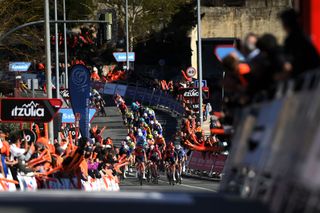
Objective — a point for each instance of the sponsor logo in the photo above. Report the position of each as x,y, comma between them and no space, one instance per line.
195,106
191,93
28,110
65,93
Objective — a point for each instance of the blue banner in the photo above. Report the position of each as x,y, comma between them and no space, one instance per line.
68,116
19,66
79,90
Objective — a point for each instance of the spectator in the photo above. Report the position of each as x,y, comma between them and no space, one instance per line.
300,51
264,67
94,75
250,49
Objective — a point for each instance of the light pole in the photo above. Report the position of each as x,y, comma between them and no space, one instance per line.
57,49
48,61
127,36
200,63
65,45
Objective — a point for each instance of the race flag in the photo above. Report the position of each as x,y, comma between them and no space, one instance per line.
79,90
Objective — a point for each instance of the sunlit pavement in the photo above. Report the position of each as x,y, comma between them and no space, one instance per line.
187,185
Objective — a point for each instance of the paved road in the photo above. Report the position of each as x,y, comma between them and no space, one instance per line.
188,185
117,131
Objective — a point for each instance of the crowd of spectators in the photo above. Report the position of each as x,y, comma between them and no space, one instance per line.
71,156
269,62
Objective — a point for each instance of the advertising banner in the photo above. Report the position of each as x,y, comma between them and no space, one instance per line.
79,90
19,66
40,110
120,89
68,116
109,89
190,92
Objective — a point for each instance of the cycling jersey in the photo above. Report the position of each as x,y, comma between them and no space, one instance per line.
154,155
134,106
139,153
181,154
171,156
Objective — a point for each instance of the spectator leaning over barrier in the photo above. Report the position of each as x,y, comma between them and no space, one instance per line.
94,74
300,52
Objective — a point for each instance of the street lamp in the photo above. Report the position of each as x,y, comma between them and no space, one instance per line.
48,60
65,45
56,49
199,62
127,36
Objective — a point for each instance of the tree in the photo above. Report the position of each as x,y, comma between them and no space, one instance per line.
146,17
28,43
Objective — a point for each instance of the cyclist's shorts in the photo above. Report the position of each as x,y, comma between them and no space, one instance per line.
171,160
154,158
140,159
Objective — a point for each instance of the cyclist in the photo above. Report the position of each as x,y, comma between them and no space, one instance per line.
181,159
154,157
157,127
150,139
160,141
141,139
124,150
140,157
171,157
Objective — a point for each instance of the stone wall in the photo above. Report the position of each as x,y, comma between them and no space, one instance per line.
258,16
237,22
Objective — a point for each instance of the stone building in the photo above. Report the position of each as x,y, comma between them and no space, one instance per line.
236,18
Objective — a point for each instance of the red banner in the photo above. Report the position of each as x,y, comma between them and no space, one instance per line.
212,163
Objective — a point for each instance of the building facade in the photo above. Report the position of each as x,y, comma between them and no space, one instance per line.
236,18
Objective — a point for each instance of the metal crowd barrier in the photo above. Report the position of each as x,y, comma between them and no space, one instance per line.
275,151
148,96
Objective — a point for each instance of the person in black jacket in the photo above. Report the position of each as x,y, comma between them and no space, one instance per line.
300,51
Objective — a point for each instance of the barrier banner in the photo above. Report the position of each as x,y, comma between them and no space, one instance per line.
106,183
155,97
140,94
130,93
27,183
109,89
120,89
99,86
219,162
212,163
147,97
6,184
